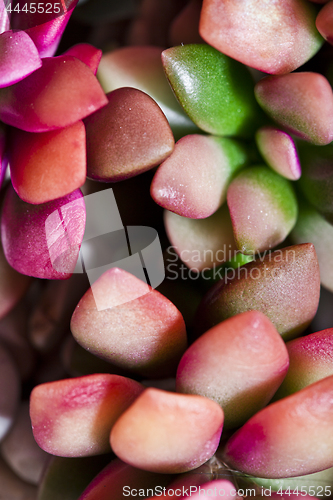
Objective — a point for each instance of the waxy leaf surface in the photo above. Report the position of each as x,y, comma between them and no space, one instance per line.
244,356
215,91
148,434
193,181
43,240
127,137
284,285
74,417
61,92
301,102
273,37
137,329
263,209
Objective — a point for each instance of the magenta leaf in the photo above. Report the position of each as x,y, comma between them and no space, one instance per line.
43,240
86,53
43,22
58,94
18,57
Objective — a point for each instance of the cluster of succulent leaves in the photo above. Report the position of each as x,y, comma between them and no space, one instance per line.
229,153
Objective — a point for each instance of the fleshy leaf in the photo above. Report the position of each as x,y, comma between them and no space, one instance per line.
279,152
273,37
46,25
43,240
127,137
86,53
240,387
263,209
310,360
58,94
148,434
288,438
324,22
118,474
301,102
138,328
202,243
313,227
215,91
193,181
89,404
141,68
18,57
39,163
284,285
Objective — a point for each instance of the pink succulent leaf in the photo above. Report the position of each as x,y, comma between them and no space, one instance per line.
45,24
301,102
290,437
273,37
43,240
324,22
279,152
193,181
120,302
310,360
18,57
39,166
47,36
92,404
58,94
244,387
87,53
284,288
160,420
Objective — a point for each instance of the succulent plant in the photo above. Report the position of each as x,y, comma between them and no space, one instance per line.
212,121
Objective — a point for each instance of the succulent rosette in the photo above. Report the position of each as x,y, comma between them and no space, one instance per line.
166,226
